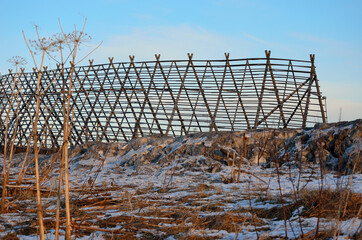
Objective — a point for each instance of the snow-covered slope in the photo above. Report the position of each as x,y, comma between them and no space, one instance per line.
196,187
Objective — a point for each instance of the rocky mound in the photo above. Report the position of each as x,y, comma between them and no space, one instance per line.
337,146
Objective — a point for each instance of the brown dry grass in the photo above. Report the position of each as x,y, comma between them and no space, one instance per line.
328,233
151,212
339,204
10,236
181,216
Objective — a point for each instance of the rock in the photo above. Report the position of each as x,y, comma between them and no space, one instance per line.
219,155
326,143
332,162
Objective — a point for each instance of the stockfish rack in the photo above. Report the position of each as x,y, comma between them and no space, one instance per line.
119,101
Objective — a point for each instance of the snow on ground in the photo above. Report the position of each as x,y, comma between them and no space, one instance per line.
158,188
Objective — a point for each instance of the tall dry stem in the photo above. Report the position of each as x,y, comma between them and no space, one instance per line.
348,187
244,155
321,168
36,153
4,190
294,189
66,139
44,45
12,143
232,168
276,160
76,39
6,168
252,209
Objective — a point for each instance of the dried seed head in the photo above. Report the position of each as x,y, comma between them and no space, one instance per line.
59,39
17,61
79,38
45,44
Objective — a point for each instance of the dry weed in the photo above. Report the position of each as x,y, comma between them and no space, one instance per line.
332,204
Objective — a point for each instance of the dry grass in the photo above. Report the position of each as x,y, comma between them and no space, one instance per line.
228,221
158,217
10,236
339,204
155,218
187,211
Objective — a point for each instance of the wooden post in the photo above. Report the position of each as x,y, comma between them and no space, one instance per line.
260,99
280,103
312,58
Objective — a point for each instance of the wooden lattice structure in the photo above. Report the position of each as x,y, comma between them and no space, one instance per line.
121,101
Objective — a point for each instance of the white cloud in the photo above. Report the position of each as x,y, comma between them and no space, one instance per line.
171,43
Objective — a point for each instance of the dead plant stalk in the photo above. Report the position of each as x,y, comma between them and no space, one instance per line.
35,132
76,40
6,167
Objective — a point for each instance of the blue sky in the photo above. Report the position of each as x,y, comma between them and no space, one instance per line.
290,29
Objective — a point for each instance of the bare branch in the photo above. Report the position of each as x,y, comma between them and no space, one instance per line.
31,52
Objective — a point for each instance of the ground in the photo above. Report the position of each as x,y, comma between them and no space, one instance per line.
195,187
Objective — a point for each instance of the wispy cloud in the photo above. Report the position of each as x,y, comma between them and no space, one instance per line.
255,39
172,43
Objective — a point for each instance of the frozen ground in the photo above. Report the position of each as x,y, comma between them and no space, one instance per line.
166,188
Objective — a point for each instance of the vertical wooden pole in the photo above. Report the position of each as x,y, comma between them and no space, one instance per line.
267,53
239,93
280,103
312,58
178,98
